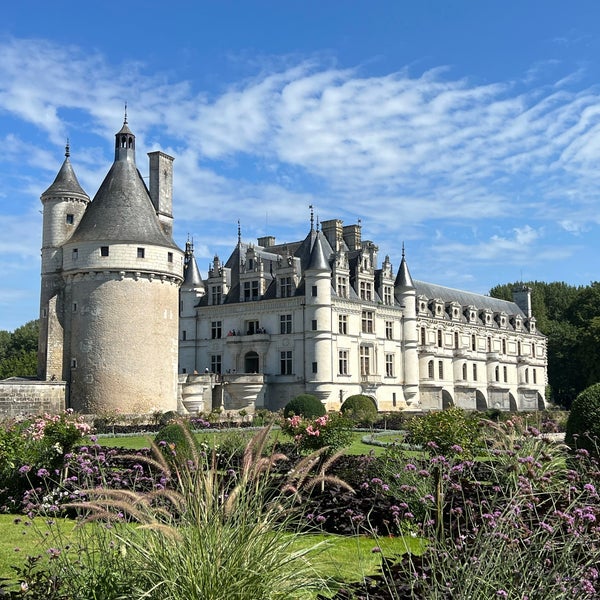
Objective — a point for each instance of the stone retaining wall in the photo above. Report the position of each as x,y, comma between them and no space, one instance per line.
25,397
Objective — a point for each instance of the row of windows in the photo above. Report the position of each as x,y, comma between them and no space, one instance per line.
105,251
431,372
473,342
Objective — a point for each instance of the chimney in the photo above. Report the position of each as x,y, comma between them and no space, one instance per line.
161,188
522,298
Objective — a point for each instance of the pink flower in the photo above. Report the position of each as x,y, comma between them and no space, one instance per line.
311,431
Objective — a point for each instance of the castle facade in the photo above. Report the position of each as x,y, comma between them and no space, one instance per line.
322,316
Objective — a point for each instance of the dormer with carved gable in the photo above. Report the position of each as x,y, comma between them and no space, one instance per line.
287,274
422,306
470,313
531,325
218,283
501,319
384,282
487,317
340,273
252,276
436,306
453,310
517,322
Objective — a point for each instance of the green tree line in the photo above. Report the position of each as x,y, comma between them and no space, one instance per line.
18,351
570,317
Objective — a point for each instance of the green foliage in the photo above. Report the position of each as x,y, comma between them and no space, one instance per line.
446,432
331,431
18,351
212,535
176,442
570,317
360,408
583,424
304,405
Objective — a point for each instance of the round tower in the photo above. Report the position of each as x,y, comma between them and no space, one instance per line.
317,361
64,203
122,276
404,291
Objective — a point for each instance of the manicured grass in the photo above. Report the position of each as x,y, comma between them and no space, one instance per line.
21,537
339,558
136,442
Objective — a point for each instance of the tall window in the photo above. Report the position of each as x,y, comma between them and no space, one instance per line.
367,321
366,290
464,371
343,324
387,295
430,367
456,339
497,374
441,370
215,330
440,339
423,336
250,290
314,324
286,287
216,294
534,375
389,365
365,360
474,372
215,363
285,324
314,291
252,327
342,287
473,343
505,373
504,346
389,330
489,344
286,362
343,362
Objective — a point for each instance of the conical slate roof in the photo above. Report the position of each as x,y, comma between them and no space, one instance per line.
65,183
318,260
403,279
191,277
122,210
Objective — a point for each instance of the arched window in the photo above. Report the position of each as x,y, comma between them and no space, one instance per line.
251,362
464,371
430,369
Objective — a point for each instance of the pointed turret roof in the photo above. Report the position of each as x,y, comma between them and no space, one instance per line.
191,273
122,210
403,279
66,183
318,260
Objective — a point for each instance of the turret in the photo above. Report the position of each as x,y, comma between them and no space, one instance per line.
405,294
64,203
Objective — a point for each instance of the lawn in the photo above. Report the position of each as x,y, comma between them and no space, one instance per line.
136,442
340,558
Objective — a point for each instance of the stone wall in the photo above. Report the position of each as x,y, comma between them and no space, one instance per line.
24,397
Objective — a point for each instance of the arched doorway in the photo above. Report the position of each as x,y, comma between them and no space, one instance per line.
512,402
447,401
480,401
251,362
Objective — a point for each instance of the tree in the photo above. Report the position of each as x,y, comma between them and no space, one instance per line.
18,351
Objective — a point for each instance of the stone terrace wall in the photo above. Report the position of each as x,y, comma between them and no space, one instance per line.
25,397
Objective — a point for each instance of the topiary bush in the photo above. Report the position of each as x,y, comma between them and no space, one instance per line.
449,432
304,405
583,424
360,408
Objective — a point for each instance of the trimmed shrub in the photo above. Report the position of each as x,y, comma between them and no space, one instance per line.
360,408
304,405
583,424
451,431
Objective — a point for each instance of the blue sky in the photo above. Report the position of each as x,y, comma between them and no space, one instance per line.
469,130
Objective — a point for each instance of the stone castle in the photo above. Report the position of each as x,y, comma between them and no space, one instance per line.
128,323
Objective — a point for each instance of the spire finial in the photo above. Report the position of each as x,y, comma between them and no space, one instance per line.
312,217
239,232
317,222
125,119
402,250
67,149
